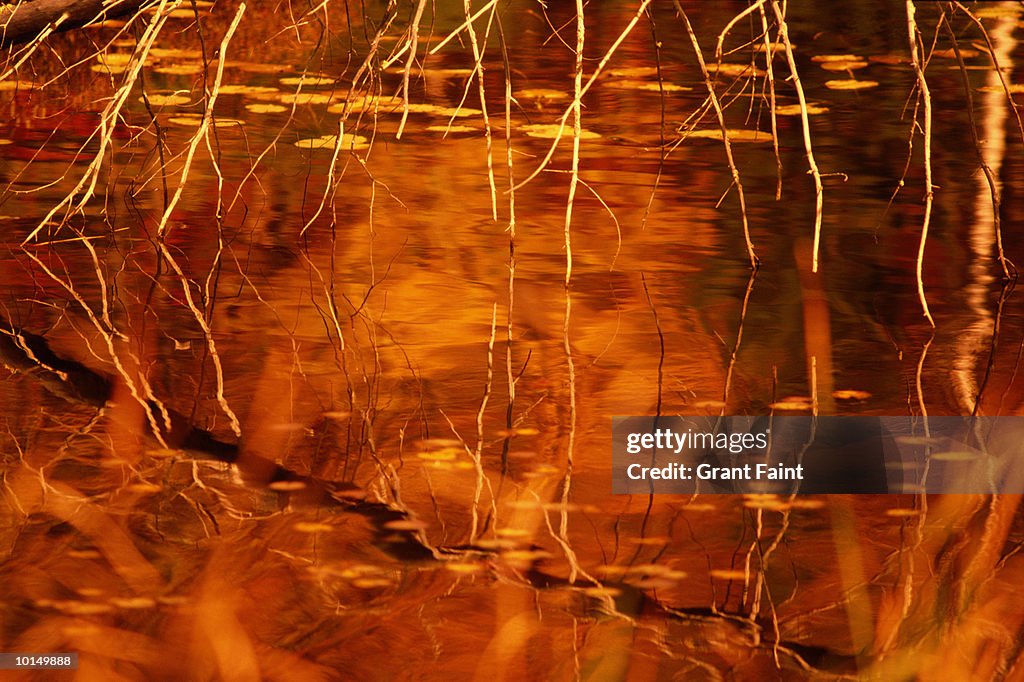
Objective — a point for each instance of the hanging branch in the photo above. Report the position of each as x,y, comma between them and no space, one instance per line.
24,21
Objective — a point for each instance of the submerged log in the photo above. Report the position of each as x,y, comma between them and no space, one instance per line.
29,354
22,22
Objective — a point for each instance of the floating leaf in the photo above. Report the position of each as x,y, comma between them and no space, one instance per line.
551,131
311,80
633,72
735,70
239,89
735,134
114,58
172,100
371,583
825,58
463,567
173,53
266,108
196,119
806,504
306,98
453,129
330,141
257,67
850,394
850,84
795,110
844,65
541,94
889,59
774,47
645,85
448,112
728,574
902,513
766,504
792,403
512,533
445,455
602,592
182,69
287,486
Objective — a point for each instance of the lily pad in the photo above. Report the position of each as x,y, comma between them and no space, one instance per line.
850,84
348,141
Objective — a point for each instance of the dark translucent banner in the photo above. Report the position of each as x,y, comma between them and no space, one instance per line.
686,455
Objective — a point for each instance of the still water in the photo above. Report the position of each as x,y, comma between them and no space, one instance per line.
390,316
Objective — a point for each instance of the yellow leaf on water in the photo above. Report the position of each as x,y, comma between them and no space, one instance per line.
792,403
181,69
512,533
105,68
633,72
266,108
312,80
824,58
773,46
735,134
735,70
287,486
540,94
348,142
445,455
794,110
173,100
307,98
844,66
551,131
728,574
114,58
239,89
850,394
647,86
850,84
196,119
174,53
448,112
453,129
